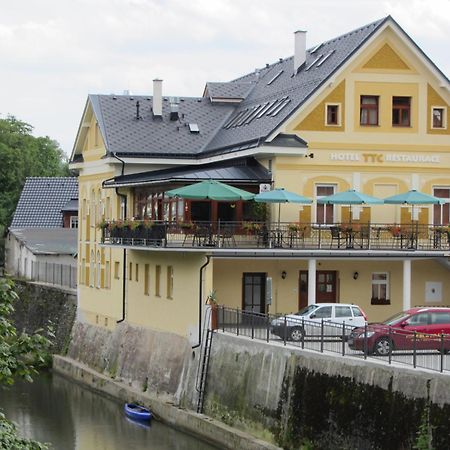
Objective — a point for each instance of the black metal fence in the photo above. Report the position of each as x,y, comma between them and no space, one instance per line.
279,235
388,344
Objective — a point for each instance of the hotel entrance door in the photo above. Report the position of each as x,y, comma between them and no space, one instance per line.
326,292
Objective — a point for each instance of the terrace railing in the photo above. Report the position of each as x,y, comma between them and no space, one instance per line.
393,346
291,236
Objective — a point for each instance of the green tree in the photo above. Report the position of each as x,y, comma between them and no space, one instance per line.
21,355
23,155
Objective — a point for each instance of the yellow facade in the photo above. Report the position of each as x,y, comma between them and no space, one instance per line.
162,287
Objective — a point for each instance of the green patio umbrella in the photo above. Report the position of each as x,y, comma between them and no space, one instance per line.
280,195
350,197
211,190
414,197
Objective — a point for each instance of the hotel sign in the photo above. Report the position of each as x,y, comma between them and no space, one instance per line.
385,158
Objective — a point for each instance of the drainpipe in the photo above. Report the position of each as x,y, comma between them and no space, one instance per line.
200,303
124,271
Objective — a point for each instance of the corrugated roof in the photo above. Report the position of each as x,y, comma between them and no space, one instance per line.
42,200
48,241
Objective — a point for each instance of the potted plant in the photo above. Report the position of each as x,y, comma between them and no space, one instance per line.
186,227
211,300
251,227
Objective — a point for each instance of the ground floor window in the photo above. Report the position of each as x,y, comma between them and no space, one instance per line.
254,292
380,288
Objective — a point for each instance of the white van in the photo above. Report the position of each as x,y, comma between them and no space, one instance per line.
309,321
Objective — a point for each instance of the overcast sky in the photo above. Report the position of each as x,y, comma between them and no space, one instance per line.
54,53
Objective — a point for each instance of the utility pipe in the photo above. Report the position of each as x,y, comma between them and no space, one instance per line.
200,303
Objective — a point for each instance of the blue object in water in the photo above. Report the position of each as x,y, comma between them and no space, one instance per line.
137,412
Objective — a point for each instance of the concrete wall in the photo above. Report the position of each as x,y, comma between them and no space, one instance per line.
281,395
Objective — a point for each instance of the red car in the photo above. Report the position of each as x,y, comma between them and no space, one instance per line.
420,328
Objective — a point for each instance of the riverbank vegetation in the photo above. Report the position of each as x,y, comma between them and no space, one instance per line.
21,355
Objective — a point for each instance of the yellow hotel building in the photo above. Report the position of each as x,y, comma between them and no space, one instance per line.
367,111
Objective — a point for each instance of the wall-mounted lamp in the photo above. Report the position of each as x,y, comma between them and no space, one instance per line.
355,275
283,274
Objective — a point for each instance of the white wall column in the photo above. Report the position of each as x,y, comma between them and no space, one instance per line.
406,284
312,263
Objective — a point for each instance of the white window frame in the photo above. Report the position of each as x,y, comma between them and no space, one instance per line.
334,186
73,222
380,282
444,117
339,122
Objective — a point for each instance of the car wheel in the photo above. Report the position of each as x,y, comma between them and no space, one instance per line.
296,334
382,346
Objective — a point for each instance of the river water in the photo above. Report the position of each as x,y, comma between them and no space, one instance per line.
55,410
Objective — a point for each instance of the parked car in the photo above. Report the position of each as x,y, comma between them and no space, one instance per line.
397,332
308,321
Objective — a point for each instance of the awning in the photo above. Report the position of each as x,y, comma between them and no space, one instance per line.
236,174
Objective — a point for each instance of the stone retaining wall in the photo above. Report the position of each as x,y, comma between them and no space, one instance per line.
40,304
277,394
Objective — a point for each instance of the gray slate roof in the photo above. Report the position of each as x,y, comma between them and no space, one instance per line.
48,241
71,205
233,90
125,135
42,200
236,174
274,85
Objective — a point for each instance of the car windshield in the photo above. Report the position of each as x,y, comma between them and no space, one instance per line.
396,318
306,310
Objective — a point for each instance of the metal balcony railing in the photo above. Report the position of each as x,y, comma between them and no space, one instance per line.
292,236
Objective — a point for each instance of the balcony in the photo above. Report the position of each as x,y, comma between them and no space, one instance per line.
277,236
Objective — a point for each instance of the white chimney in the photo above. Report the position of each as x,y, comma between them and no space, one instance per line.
300,49
157,98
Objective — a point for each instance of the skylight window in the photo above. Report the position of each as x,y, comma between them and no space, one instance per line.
280,107
324,58
314,62
193,128
254,113
264,110
275,105
234,119
275,77
315,49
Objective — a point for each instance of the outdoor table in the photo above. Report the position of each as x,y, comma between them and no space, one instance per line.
349,234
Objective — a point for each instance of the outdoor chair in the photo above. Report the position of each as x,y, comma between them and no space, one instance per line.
262,237
336,235
364,235
226,236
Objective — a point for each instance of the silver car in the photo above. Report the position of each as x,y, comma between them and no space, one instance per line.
331,319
